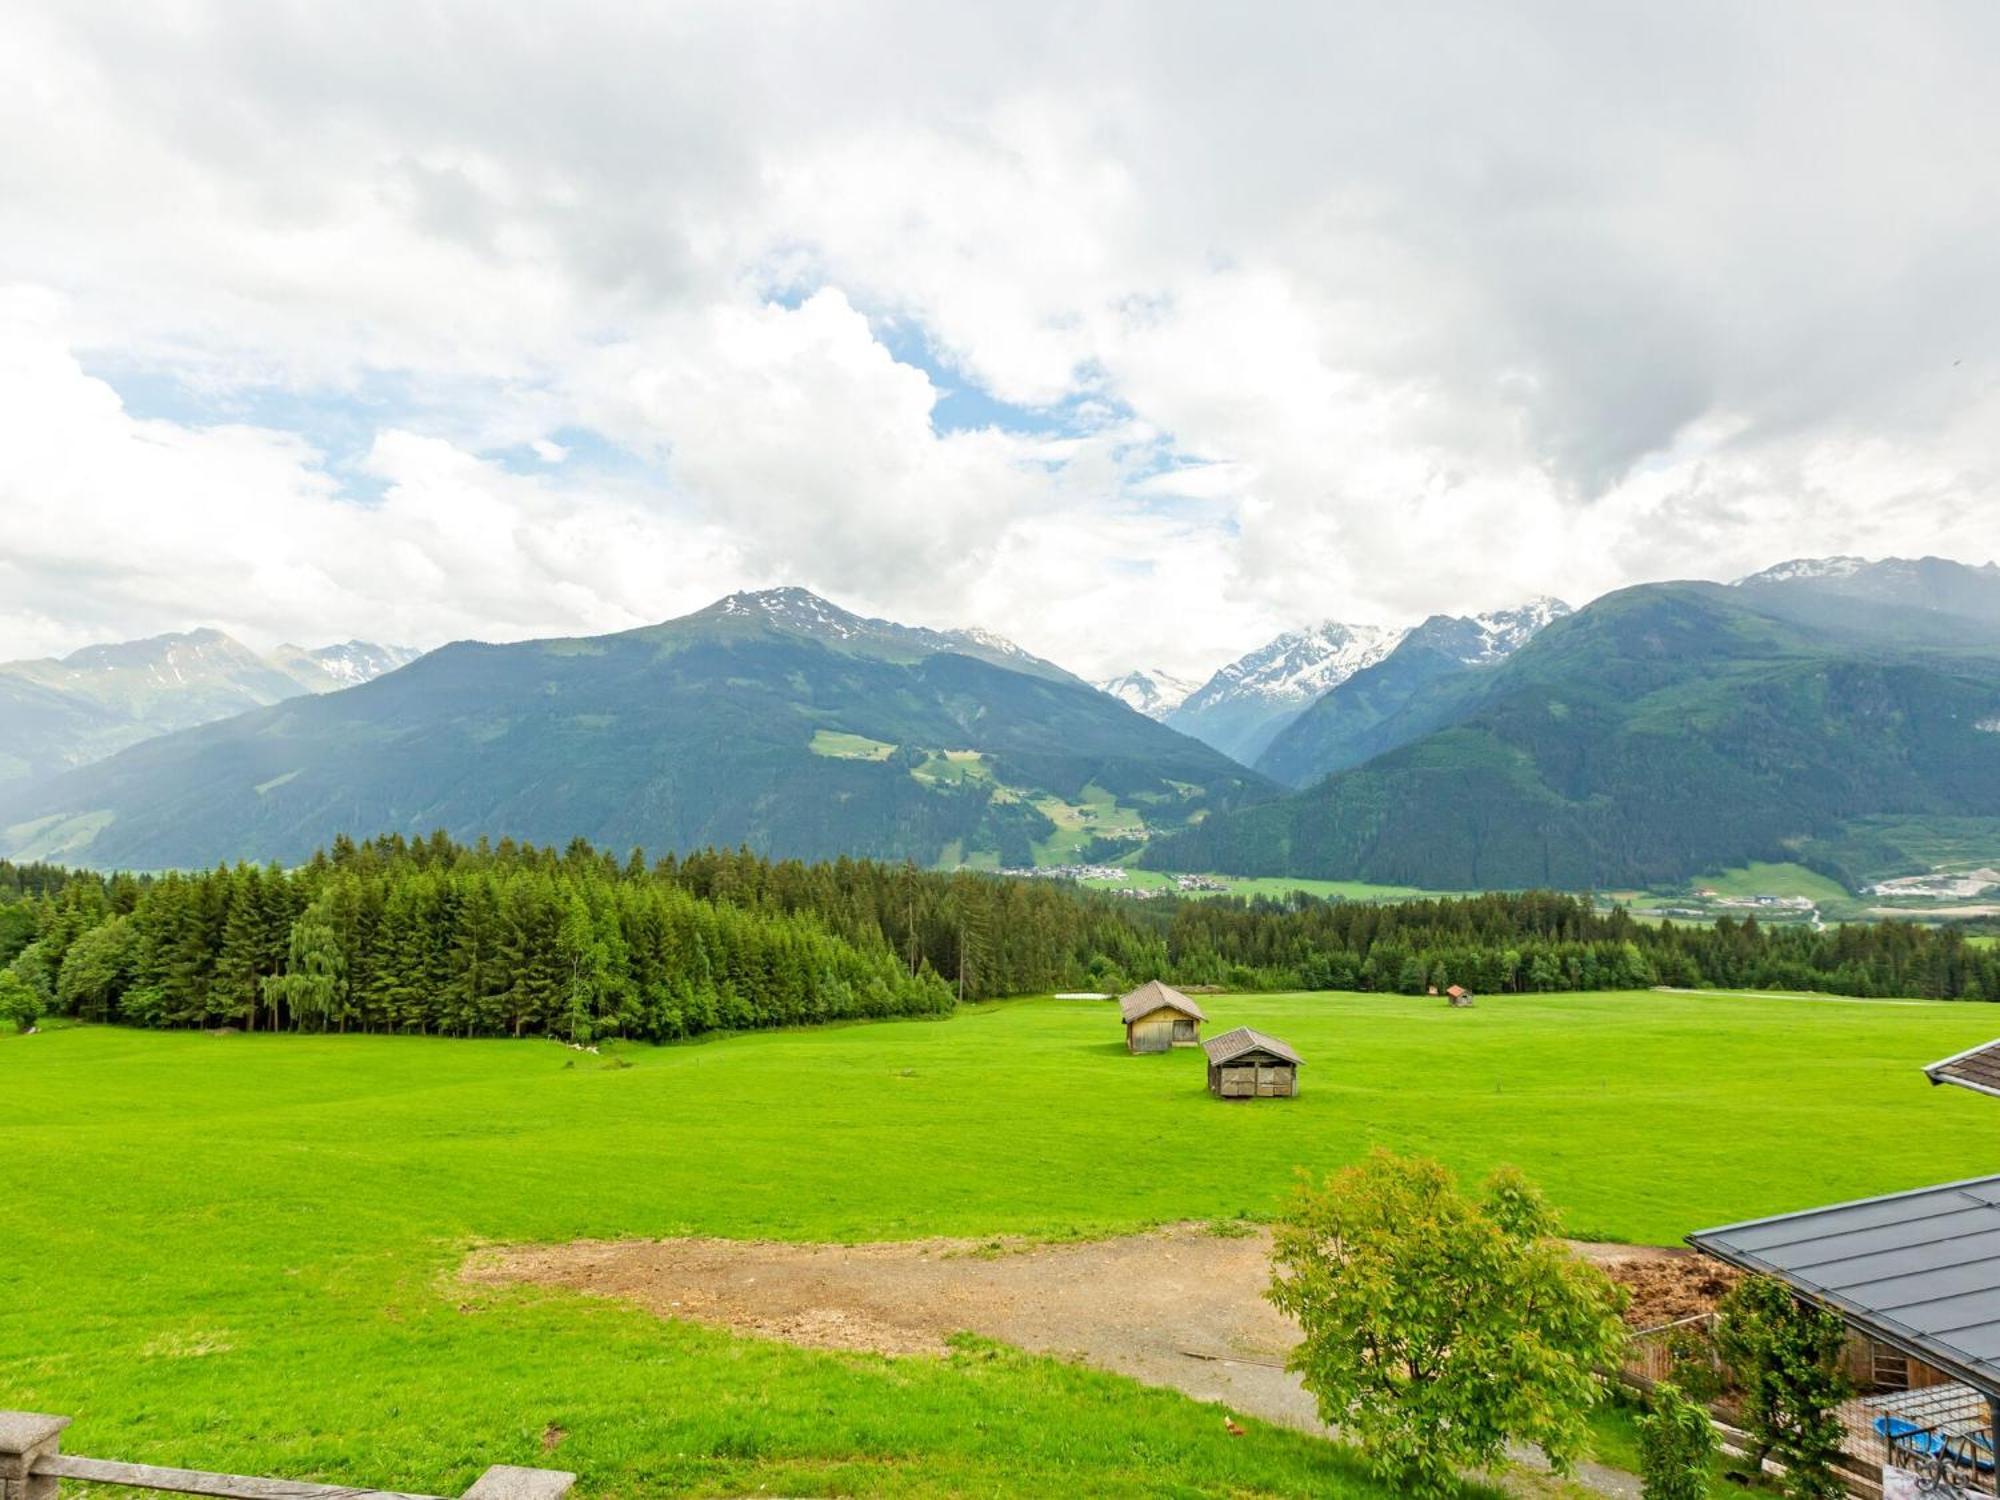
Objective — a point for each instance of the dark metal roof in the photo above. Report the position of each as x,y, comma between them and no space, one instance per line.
1917,1270
1976,1068
1152,996
1244,1040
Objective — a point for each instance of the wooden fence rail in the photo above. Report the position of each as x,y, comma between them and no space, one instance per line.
32,1462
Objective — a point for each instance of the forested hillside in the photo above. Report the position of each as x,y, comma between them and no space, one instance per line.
1664,731
436,937
772,719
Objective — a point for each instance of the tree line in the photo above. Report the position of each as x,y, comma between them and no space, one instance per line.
434,936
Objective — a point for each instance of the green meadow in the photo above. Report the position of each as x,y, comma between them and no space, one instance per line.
240,1252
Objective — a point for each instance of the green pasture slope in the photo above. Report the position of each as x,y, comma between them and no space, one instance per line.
240,1252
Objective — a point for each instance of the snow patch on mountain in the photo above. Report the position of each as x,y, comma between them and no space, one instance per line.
1151,691
327,669
1502,632
802,612
988,640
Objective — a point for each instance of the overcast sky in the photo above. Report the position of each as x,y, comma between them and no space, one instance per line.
1136,332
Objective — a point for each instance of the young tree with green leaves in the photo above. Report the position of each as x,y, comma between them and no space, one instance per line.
312,990
1786,1355
20,1001
1677,1446
1438,1326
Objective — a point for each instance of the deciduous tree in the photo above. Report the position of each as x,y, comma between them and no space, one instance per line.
1438,1326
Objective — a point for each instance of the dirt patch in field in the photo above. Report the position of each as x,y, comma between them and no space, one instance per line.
1663,1291
1181,1307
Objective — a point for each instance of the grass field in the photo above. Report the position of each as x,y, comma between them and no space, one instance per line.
240,1252
1773,880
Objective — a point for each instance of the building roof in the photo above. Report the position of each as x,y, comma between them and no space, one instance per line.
1457,991
1152,996
1976,1068
1244,1039
1917,1270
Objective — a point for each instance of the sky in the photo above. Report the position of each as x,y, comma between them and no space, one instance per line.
1136,332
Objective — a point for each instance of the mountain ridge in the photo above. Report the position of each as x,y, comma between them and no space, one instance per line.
774,719
1662,730
1415,688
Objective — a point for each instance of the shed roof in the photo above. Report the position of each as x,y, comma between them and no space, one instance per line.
1976,1068
1152,996
1918,1270
1234,1044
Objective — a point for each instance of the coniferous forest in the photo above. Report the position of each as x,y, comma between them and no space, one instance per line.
436,937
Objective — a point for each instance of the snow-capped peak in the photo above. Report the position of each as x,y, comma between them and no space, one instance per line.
798,609
1300,665
1807,568
1151,691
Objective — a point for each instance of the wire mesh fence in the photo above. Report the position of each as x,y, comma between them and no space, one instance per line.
1939,1435
1927,1436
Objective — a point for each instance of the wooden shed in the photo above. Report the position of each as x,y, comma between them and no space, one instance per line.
1158,1016
1459,996
1246,1064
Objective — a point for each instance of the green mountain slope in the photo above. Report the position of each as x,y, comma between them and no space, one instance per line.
1665,730
769,719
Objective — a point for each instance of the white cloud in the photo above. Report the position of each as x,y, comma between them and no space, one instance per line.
1435,310
116,526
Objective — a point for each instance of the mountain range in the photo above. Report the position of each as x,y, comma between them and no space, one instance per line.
1807,712
774,719
1664,730
67,712
1391,701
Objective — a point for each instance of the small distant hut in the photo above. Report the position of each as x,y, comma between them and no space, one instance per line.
1460,996
1246,1064
1158,1016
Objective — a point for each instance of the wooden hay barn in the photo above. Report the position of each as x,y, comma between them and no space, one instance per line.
1158,1016
1459,996
1246,1064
